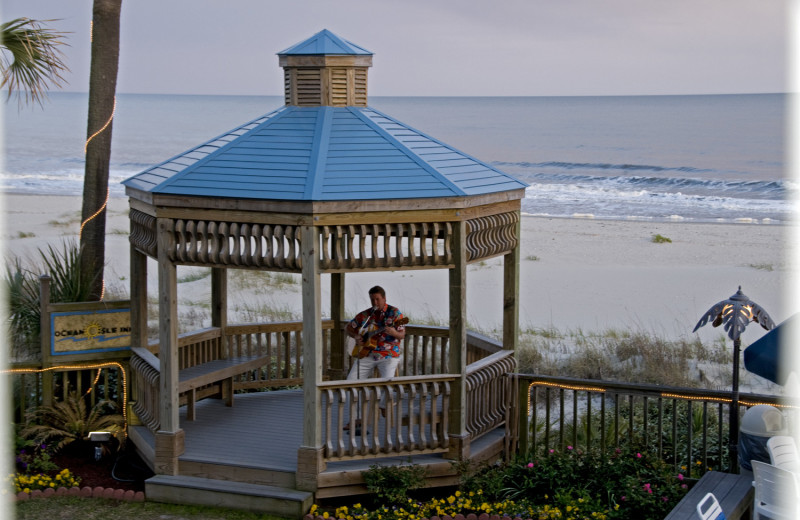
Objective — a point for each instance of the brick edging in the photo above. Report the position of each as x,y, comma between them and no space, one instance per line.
86,492
471,516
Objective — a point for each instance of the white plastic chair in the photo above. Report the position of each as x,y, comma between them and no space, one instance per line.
713,511
783,452
777,493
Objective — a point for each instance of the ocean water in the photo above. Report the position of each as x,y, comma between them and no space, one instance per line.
687,158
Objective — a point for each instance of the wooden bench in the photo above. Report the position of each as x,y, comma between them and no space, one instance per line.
734,493
217,371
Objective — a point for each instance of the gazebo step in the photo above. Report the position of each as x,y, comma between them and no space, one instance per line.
178,489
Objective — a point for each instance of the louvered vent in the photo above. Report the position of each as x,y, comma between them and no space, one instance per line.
308,87
339,87
360,88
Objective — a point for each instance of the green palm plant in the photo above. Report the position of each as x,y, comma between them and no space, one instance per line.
23,298
32,60
68,283
71,420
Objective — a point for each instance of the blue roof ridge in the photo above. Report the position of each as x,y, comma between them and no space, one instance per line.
319,154
359,112
336,46
445,145
270,117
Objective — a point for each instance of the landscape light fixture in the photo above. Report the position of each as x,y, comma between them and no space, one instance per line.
735,313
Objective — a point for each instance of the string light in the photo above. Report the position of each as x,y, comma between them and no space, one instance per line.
561,386
110,119
85,148
98,366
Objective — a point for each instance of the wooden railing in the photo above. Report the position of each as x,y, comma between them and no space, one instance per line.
489,392
104,381
399,416
425,354
685,427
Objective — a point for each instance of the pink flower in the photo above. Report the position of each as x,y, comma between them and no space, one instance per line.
530,464
647,488
680,476
552,450
684,486
569,447
638,455
664,499
624,498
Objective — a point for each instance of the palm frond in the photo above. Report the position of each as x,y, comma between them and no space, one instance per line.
32,61
70,420
67,284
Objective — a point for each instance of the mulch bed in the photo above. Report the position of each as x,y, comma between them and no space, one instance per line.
127,467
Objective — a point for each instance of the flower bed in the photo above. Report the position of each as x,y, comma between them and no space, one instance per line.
620,485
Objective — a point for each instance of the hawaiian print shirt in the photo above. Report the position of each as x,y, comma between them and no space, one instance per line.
386,345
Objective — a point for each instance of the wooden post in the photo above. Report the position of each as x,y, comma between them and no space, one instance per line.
309,457
169,440
511,293
44,338
219,297
337,334
523,422
459,439
138,270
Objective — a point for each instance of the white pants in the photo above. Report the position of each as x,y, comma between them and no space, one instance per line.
362,368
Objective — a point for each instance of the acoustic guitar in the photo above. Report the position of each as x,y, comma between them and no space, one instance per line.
370,340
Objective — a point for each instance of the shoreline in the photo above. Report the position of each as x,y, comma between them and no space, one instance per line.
676,219
575,273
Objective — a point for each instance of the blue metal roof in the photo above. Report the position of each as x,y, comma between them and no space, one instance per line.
324,154
327,43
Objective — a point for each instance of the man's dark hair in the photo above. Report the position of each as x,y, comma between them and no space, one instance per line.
377,290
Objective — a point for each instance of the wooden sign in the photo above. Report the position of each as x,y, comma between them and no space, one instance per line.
90,331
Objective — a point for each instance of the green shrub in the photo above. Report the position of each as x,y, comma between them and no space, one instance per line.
623,484
660,239
391,484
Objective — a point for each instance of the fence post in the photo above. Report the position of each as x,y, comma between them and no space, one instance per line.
44,338
523,394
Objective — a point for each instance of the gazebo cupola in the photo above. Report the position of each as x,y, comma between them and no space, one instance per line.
325,70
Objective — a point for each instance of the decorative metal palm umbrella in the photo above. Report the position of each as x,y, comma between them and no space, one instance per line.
736,313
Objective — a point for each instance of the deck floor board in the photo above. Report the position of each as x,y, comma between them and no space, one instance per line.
263,430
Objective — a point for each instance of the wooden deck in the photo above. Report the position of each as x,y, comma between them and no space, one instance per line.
257,441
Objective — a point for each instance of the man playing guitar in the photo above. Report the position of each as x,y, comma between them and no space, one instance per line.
378,332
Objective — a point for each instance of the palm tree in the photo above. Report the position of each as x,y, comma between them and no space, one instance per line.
31,60
102,91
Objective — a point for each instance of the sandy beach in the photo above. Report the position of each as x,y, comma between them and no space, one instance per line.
576,274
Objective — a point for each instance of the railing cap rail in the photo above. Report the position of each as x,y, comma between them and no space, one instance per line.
649,388
381,381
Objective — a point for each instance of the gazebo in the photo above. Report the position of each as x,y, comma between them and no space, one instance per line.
323,186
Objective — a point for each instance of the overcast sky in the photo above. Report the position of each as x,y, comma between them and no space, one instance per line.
442,47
